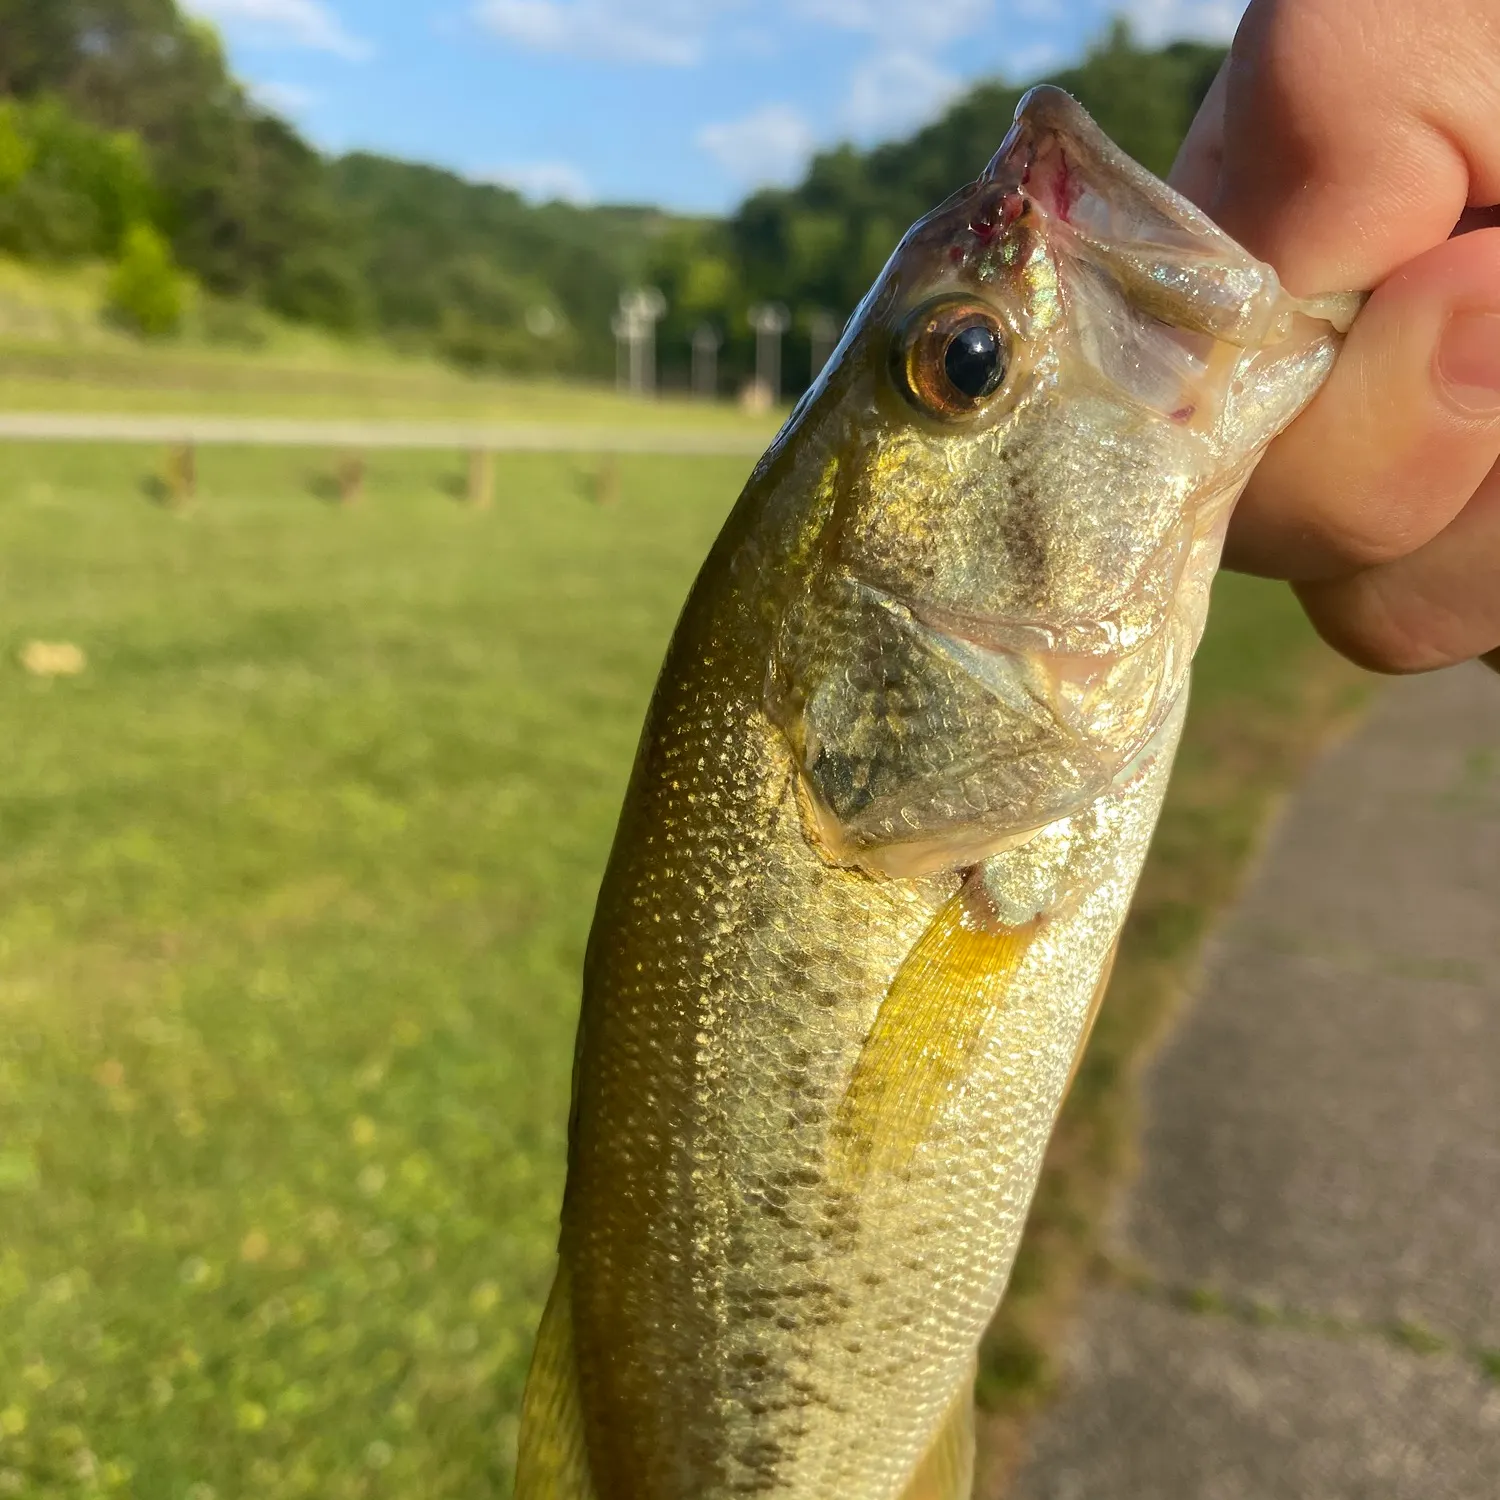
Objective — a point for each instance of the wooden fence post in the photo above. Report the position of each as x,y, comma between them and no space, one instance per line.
607,482
182,476
351,479
481,479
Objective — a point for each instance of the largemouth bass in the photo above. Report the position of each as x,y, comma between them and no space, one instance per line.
893,794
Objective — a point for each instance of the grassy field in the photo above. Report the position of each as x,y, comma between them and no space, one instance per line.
294,883
58,353
200,382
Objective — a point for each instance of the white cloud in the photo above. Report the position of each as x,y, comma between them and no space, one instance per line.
914,24
1027,64
678,32
901,84
670,33
894,92
287,98
545,181
769,145
288,23
1157,21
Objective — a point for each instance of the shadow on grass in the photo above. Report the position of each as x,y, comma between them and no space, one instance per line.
343,484
158,491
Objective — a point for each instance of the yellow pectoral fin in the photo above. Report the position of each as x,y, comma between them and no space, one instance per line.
926,1036
553,1461
946,1471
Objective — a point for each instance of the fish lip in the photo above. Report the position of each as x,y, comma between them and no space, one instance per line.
1018,637
1076,649
1103,645
1055,683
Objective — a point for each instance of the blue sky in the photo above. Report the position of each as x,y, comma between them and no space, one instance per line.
687,103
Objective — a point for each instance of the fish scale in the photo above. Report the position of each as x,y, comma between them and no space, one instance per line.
891,800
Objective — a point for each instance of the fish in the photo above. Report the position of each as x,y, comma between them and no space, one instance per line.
891,800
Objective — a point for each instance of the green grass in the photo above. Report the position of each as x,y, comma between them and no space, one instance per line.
294,885
378,385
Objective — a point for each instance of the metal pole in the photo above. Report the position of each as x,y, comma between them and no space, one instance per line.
635,326
649,308
637,357
769,320
705,360
620,326
823,336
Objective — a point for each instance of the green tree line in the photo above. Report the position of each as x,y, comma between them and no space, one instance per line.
124,136
817,247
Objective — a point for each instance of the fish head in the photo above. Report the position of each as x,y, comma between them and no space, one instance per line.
1016,472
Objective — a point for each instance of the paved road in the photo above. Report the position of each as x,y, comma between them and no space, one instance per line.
275,432
1309,1304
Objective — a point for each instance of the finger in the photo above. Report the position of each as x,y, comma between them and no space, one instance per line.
1438,606
1195,173
1356,132
1396,441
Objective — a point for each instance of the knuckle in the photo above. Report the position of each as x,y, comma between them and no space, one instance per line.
1354,547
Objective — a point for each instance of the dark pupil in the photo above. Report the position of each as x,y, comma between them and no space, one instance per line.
974,361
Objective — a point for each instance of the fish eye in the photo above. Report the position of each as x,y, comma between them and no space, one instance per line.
951,357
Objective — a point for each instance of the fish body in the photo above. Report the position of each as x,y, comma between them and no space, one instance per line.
893,794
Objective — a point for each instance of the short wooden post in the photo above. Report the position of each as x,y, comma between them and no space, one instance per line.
182,476
350,479
481,479
607,481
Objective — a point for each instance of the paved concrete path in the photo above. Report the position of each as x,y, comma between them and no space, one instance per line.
278,432
1309,1305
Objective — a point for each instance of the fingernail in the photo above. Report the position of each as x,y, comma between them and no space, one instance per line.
1468,361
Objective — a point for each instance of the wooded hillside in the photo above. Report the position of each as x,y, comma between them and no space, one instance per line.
125,133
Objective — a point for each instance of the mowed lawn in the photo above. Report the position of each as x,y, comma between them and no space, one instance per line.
294,883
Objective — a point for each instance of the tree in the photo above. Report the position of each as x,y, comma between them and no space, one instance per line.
241,191
146,291
68,190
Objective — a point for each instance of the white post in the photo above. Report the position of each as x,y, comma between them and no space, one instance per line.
638,357
706,343
823,331
635,326
620,325
769,320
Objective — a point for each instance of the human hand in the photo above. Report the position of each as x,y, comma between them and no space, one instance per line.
1346,141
